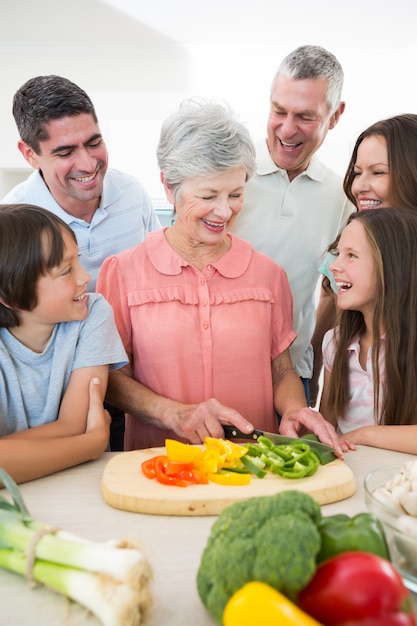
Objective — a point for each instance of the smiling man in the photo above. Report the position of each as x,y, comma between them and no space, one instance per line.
294,205
60,138
109,211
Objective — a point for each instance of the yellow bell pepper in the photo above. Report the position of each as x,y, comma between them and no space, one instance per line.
229,478
228,449
259,603
209,461
182,452
217,455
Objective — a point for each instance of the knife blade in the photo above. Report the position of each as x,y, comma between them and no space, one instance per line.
230,432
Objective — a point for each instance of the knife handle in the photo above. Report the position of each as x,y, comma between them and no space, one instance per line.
231,432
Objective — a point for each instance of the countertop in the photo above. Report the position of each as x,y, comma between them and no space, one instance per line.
173,545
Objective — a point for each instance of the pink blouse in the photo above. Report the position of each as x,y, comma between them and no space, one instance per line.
194,335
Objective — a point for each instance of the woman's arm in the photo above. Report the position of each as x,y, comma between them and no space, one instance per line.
27,459
191,421
72,416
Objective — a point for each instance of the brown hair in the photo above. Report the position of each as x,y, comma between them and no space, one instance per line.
392,234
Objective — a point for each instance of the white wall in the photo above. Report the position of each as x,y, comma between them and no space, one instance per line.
136,85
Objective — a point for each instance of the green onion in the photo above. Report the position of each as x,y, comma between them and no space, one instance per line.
111,579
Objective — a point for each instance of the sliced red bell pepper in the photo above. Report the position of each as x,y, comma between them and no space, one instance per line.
193,476
173,467
148,467
161,475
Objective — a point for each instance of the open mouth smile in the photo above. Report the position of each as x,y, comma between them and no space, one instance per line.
369,204
289,146
85,180
214,225
343,286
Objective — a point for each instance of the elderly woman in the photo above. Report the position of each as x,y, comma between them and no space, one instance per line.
206,320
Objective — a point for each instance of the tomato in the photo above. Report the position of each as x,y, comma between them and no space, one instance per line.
355,586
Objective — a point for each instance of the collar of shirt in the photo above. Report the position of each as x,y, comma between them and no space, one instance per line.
265,165
354,345
167,261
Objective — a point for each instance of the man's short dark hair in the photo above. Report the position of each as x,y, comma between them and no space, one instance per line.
45,98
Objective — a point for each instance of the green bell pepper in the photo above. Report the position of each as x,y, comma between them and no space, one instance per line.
341,533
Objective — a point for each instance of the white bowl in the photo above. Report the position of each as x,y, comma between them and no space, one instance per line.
402,545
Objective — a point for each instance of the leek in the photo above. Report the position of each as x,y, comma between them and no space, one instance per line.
110,579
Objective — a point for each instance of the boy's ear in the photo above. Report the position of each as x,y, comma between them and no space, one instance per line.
5,304
28,153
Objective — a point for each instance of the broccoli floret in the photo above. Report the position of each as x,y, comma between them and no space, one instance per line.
273,539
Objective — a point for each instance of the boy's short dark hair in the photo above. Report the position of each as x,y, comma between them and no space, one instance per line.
24,257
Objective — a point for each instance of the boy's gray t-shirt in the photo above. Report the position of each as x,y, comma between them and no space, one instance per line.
32,385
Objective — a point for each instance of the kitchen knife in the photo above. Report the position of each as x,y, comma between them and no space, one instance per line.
230,432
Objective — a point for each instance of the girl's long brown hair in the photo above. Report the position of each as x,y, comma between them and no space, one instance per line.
392,234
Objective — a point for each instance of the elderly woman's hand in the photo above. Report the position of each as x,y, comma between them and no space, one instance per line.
293,423
197,421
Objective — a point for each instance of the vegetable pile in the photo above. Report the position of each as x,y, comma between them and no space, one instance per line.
295,459
110,579
273,539
284,544
184,464
227,463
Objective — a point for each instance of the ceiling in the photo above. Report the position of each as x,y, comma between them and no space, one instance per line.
357,24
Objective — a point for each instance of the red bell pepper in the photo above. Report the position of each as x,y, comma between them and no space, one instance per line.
357,588
173,473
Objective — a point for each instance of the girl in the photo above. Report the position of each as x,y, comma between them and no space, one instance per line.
382,172
370,364
56,344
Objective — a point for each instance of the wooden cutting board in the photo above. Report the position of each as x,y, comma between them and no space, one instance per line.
123,486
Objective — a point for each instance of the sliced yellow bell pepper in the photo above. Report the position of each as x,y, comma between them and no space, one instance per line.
227,448
259,603
209,462
182,452
229,478
217,455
